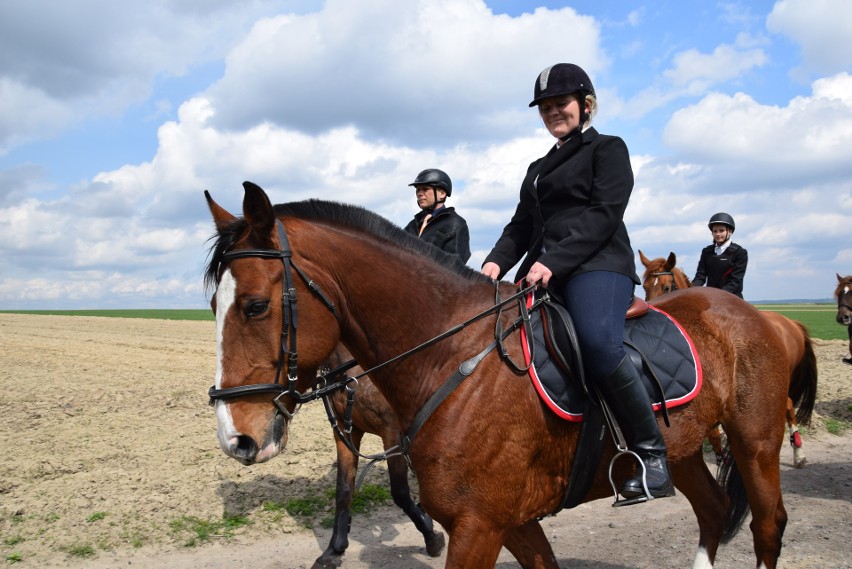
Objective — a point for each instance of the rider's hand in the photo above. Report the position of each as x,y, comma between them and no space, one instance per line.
492,270
538,274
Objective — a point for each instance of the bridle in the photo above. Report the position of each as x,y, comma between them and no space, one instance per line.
336,378
666,274
289,323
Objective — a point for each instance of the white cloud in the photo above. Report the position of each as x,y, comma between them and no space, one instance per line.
76,60
695,71
820,27
36,115
692,74
806,140
415,73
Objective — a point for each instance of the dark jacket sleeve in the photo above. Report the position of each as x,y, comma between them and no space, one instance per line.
739,262
458,243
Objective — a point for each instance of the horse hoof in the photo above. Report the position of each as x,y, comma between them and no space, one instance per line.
434,543
847,360
328,560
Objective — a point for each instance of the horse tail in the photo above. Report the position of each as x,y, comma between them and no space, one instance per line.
730,479
803,381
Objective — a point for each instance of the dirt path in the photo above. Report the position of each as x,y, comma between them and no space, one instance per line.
110,460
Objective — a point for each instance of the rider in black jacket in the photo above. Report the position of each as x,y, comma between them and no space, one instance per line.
436,223
569,225
722,264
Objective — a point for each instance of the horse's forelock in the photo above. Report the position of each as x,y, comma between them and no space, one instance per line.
222,242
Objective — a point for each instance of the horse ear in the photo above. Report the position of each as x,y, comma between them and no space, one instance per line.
671,261
221,217
643,258
839,278
257,210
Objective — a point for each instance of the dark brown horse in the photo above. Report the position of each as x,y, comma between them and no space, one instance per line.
662,276
491,460
370,413
843,294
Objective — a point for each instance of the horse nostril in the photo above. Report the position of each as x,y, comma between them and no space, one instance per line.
245,448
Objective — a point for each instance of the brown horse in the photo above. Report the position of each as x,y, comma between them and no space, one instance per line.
843,294
800,357
662,276
491,459
370,413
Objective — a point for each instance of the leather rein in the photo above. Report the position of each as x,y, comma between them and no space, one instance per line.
335,379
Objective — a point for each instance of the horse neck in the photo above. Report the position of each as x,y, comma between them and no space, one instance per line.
392,300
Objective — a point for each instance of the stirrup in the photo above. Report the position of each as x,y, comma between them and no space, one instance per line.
636,499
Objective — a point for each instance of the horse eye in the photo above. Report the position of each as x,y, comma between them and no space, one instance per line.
256,308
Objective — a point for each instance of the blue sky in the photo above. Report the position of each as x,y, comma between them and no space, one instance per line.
115,117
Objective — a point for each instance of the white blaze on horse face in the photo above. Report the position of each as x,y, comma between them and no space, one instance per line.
225,297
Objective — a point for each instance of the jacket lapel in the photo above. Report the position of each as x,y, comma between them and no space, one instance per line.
571,146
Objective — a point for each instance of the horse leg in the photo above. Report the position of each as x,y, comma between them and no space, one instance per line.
530,547
347,466
849,359
714,437
756,457
708,501
799,458
398,472
474,544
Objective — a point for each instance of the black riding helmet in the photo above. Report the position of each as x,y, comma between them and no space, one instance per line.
563,79
435,179
722,218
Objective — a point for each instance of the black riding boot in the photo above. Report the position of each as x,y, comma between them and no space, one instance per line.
626,396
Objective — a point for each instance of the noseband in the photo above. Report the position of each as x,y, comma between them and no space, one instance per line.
289,323
666,274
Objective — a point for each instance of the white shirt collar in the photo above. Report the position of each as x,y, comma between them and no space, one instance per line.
719,249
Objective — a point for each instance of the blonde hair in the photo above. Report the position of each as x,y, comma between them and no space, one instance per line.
592,103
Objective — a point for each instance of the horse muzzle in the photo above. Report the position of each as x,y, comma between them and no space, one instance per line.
248,449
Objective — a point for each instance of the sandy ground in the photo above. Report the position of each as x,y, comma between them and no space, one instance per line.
109,455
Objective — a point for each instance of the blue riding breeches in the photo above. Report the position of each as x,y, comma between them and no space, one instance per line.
597,302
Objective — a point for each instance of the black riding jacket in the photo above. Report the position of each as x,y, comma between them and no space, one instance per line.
725,271
447,231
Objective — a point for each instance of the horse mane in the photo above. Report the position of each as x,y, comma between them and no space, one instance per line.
846,281
351,217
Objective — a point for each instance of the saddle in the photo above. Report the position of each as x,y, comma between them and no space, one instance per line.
657,345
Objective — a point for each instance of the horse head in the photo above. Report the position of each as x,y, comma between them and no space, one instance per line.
661,276
843,293
268,352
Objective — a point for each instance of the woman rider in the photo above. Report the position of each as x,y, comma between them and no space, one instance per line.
569,223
